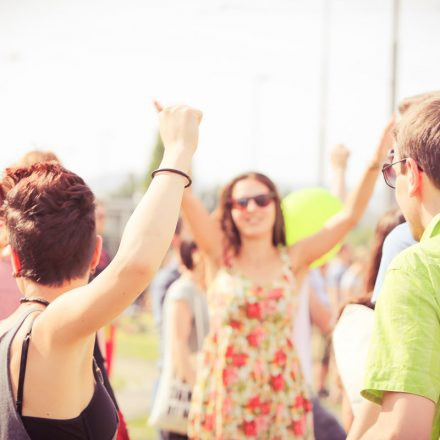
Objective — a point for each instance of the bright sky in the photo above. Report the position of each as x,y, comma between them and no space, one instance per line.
78,77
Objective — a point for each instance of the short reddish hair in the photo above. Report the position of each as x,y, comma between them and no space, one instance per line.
49,214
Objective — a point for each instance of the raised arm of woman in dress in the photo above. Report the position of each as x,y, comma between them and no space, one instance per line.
311,248
204,228
146,238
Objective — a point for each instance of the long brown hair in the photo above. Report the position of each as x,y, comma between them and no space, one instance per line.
231,234
385,225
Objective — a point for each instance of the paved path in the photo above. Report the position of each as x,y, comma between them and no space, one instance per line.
137,378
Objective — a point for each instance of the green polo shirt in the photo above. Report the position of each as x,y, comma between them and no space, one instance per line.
404,352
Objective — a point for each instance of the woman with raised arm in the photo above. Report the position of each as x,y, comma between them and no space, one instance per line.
49,387
250,382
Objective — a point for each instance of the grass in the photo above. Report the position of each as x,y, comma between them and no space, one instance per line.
136,339
140,430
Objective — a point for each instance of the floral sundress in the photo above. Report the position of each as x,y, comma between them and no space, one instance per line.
249,380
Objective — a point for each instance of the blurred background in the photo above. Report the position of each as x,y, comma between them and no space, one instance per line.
280,82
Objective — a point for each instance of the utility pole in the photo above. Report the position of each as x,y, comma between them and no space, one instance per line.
323,99
394,53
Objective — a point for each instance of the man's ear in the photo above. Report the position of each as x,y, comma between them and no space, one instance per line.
96,253
414,177
16,263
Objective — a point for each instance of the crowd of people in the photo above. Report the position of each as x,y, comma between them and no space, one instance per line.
234,305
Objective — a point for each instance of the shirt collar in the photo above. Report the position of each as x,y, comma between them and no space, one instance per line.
432,229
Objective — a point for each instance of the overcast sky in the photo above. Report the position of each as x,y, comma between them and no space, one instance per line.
78,77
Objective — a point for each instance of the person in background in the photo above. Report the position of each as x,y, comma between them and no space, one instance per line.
314,308
157,290
36,156
395,242
402,381
319,279
105,337
9,292
250,383
166,276
101,219
186,315
50,216
353,326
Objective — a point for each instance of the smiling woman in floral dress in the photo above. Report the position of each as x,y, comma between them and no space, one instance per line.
249,381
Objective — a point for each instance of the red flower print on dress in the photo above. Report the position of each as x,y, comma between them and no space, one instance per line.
254,403
277,382
299,402
229,376
235,324
250,429
297,427
253,311
229,352
208,423
280,358
276,294
265,408
308,406
254,337
239,359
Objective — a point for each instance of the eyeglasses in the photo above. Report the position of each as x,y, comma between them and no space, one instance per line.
389,174
260,200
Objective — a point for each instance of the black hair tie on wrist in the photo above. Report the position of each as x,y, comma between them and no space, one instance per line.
172,170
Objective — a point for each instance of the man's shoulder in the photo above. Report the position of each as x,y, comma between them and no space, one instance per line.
413,275
418,256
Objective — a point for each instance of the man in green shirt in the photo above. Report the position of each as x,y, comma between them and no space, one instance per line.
402,382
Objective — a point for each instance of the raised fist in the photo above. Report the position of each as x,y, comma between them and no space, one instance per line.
179,127
339,156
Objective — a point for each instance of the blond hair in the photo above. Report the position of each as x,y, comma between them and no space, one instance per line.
418,136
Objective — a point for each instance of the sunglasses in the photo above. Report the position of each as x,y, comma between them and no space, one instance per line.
260,200
389,173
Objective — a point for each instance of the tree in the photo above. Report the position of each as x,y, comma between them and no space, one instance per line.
156,158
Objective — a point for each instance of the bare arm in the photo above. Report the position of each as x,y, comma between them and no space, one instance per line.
365,418
320,314
204,227
346,412
402,416
180,323
338,159
144,243
311,248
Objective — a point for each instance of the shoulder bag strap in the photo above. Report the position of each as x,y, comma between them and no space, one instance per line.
22,373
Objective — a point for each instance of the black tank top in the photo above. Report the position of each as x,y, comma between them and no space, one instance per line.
98,421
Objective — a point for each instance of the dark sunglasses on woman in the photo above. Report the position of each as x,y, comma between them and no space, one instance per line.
260,200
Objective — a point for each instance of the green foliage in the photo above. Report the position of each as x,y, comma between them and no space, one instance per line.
128,188
137,341
133,184
156,158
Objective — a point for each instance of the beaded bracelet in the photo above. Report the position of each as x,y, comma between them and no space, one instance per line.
172,170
